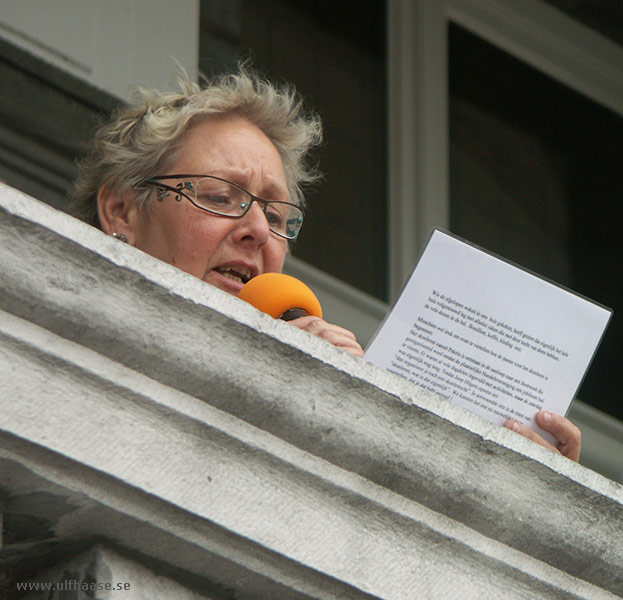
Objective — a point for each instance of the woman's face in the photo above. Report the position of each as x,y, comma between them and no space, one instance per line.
219,250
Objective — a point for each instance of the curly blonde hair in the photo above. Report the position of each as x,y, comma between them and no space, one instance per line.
144,137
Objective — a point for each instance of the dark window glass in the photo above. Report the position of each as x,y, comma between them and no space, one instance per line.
535,175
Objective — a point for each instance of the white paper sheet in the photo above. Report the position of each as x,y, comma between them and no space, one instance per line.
487,335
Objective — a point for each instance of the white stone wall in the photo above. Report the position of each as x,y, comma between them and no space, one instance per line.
116,45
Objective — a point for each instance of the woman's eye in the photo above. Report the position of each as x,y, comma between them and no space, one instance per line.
274,218
219,199
214,199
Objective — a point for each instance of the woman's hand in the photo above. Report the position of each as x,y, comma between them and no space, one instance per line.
568,435
338,336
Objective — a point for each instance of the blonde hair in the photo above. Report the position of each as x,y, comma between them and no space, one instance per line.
144,137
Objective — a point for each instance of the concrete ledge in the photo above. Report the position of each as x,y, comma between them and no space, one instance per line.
202,491
183,425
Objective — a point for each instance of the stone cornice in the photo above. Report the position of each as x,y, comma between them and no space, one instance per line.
181,424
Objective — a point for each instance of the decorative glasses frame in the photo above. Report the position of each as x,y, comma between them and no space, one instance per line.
178,190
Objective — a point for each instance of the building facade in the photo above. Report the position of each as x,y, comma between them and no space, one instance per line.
126,457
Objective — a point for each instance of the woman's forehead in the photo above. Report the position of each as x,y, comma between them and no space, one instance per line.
233,146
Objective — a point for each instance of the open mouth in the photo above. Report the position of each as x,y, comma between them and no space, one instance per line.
240,274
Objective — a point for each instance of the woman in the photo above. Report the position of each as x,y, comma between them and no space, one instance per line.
209,180
241,130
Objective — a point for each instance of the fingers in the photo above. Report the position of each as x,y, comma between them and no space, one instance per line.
524,430
568,435
334,334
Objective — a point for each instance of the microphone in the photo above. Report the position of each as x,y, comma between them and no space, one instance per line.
281,296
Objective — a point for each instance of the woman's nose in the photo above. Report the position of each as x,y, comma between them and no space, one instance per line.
254,225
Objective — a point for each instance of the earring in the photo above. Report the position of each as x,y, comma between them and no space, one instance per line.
120,237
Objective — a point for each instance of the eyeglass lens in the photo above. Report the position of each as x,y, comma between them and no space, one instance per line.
224,198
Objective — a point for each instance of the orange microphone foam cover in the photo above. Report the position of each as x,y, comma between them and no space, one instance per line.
277,293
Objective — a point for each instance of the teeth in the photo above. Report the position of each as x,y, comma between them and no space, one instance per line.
241,274
230,275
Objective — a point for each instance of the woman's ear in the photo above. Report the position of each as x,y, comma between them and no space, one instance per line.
117,213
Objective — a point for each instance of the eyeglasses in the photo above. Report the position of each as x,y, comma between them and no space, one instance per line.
226,199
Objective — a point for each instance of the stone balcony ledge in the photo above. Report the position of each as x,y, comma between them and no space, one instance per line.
147,411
